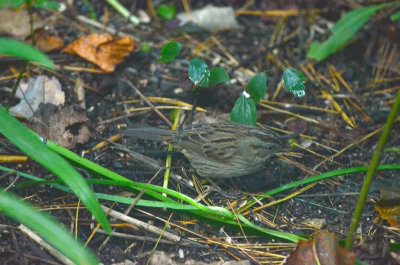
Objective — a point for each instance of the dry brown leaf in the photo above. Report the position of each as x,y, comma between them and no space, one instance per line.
102,49
64,126
47,43
388,206
323,248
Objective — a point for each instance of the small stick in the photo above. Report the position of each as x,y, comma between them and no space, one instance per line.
148,102
55,253
142,225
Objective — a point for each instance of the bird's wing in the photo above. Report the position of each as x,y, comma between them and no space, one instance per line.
208,145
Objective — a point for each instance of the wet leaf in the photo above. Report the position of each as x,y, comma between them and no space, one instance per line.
170,51
102,49
244,110
166,12
322,249
294,82
257,87
218,75
198,72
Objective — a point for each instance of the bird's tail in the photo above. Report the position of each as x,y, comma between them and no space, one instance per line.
150,133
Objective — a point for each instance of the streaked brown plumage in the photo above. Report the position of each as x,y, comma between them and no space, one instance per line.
217,150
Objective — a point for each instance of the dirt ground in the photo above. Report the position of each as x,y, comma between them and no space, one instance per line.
368,66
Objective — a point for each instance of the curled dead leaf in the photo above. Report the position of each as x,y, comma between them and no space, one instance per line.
64,126
46,42
102,49
322,249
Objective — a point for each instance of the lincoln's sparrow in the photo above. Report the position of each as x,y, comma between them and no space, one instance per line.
218,150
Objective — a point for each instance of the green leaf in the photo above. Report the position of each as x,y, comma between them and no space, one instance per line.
395,247
198,72
47,4
395,16
343,30
26,141
173,114
47,228
257,87
24,51
145,47
294,82
244,111
11,3
170,51
166,12
218,75
393,149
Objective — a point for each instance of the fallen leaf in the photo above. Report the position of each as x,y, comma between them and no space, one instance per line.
102,49
388,206
322,249
64,126
47,43
15,22
40,89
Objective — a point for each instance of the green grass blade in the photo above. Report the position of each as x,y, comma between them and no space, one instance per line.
331,174
47,228
343,30
21,137
24,51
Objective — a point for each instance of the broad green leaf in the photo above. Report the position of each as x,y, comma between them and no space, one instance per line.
166,12
47,228
244,111
395,16
218,75
343,30
47,4
198,72
24,51
257,87
294,82
11,3
25,140
170,51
